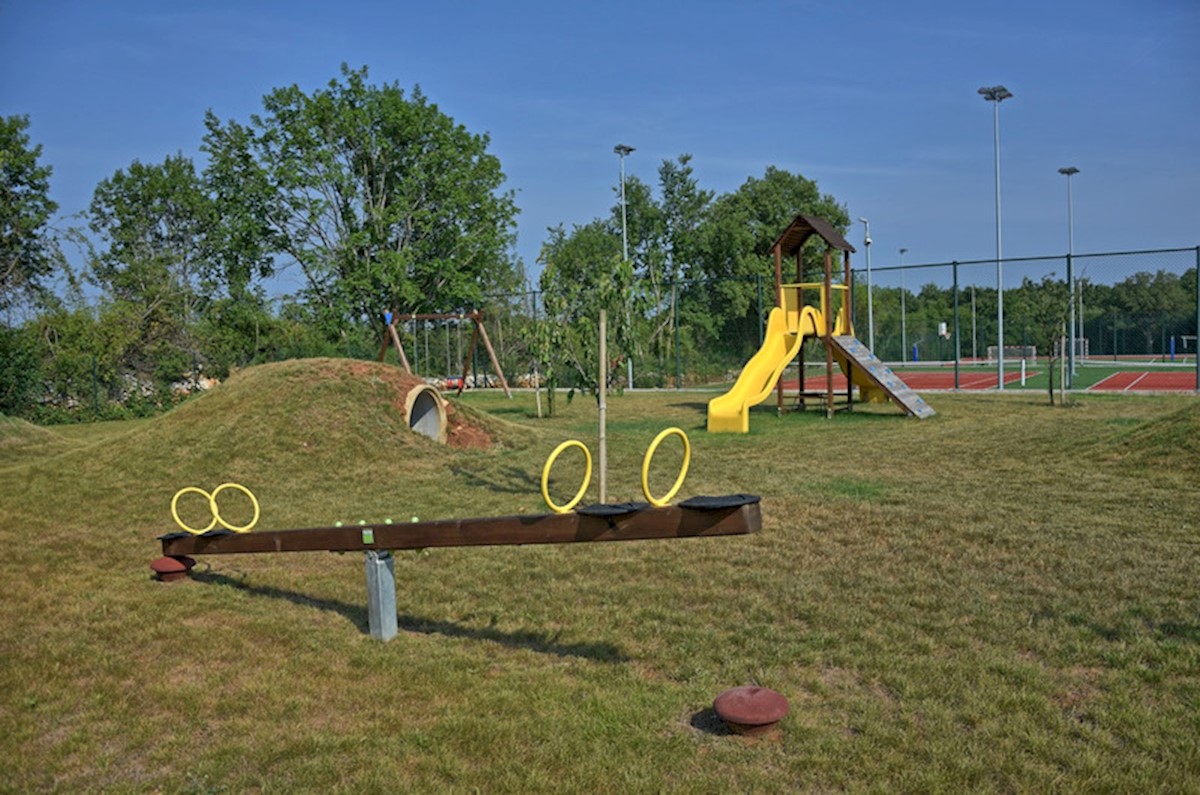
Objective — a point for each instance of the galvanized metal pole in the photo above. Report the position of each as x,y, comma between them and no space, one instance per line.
999,254
903,313
957,334
1068,172
381,594
870,309
996,95
622,150
675,313
1197,340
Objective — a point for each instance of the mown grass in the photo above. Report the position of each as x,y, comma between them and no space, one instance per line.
1000,598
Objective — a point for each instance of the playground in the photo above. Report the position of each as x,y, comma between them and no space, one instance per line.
1025,622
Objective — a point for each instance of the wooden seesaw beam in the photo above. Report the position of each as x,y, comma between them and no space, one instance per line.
700,517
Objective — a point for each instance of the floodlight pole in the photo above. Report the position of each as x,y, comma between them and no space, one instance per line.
903,314
621,150
870,307
1068,172
996,95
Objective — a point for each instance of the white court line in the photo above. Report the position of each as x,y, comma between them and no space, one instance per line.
1135,382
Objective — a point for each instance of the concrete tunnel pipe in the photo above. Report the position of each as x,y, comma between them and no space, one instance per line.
425,411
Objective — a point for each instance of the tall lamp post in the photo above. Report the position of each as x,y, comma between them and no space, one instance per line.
1068,172
870,308
621,150
996,95
903,314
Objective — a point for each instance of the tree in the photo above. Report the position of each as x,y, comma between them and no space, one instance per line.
583,273
733,257
382,200
27,251
152,222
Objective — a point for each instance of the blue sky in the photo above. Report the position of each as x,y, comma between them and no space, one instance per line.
874,100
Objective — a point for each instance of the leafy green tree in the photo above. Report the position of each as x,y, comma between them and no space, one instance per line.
1044,308
28,252
583,273
382,200
152,221
733,256
667,236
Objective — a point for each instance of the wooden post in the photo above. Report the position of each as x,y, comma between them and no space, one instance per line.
487,344
778,251
399,347
847,302
602,448
828,336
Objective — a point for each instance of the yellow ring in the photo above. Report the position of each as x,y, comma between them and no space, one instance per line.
175,511
687,457
212,499
587,476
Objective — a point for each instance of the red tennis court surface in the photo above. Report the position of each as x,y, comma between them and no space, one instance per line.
917,380
1133,381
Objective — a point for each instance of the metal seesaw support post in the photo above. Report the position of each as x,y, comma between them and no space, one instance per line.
381,594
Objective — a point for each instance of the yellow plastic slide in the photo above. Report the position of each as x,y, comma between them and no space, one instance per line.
731,412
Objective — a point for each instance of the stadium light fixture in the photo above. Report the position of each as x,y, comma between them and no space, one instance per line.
996,95
1068,172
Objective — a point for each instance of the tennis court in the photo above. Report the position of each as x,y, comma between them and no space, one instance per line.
1090,378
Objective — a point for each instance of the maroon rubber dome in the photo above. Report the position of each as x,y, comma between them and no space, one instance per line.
750,709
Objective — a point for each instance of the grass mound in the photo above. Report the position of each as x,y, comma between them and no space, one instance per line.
323,408
1172,441
20,440
316,440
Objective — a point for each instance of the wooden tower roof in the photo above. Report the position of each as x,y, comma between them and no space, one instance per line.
802,228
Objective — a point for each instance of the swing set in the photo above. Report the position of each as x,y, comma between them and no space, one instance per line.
392,337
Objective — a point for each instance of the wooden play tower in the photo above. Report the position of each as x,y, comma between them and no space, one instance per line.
796,318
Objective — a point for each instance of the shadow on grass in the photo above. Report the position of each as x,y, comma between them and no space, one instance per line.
509,480
709,722
693,405
544,643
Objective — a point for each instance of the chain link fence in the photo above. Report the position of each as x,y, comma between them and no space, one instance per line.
1138,304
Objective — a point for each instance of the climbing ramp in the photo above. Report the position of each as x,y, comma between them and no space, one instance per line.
875,379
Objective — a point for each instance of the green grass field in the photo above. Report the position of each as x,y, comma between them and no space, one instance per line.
1001,598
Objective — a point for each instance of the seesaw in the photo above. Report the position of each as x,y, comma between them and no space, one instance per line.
698,517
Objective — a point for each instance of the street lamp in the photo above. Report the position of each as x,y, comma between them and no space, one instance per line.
870,308
620,150
1068,172
996,95
903,315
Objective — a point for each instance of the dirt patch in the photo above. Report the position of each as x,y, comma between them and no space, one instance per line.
462,434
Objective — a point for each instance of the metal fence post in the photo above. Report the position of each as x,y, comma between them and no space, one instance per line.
957,338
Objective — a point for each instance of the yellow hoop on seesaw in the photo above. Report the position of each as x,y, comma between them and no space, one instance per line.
216,512
657,502
587,475
687,457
